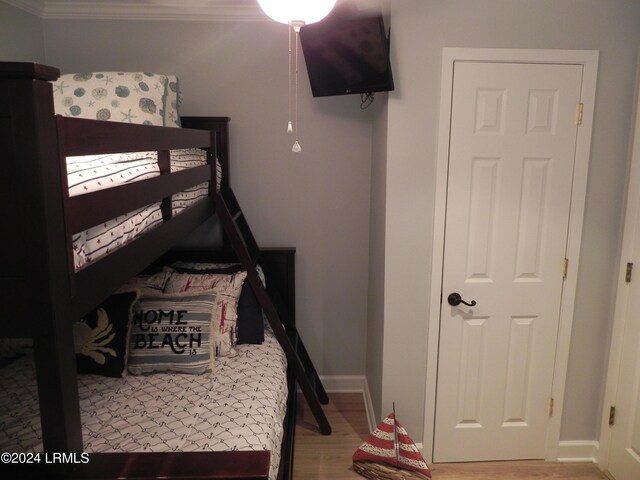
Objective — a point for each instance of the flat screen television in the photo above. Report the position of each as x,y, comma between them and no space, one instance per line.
347,54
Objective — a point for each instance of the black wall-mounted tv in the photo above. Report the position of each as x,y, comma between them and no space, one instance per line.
347,54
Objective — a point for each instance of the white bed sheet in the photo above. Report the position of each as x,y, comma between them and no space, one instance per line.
240,407
90,173
96,172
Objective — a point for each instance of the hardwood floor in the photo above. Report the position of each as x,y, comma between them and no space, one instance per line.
319,457
537,469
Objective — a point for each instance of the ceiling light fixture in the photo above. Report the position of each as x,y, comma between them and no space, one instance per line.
296,14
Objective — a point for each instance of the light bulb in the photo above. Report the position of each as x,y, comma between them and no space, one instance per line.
306,11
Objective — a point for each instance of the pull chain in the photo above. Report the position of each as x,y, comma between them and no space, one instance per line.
292,127
289,126
296,146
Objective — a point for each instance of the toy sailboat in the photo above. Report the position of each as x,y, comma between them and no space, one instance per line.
389,453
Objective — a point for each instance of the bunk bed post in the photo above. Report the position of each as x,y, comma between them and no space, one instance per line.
219,128
35,256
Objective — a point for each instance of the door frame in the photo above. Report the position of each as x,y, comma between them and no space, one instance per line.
623,295
589,60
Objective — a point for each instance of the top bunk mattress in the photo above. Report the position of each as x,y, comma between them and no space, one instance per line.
125,97
92,173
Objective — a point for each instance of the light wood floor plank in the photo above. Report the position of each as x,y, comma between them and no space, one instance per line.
319,457
537,469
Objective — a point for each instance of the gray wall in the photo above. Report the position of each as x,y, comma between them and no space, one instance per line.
317,201
20,35
421,28
350,207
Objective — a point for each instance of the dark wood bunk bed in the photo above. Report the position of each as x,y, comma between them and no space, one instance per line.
43,294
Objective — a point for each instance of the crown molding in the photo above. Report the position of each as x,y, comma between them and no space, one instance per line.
203,10
141,10
34,7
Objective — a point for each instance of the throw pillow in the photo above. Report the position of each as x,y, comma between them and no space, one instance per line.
100,338
173,99
13,348
129,97
225,309
250,320
172,332
147,283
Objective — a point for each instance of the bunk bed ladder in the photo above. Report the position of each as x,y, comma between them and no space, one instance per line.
247,251
298,346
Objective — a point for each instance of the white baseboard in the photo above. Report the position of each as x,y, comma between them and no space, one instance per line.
352,384
368,406
568,450
343,383
578,451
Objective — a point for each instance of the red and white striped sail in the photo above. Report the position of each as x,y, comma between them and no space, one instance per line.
394,448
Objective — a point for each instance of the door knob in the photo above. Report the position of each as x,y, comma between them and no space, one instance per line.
455,299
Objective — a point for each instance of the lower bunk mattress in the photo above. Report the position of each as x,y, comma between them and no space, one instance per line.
241,406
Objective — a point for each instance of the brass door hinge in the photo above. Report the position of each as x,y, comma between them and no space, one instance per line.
579,110
612,416
627,276
551,407
565,267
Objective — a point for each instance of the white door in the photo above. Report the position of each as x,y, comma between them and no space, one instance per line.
624,458
511,159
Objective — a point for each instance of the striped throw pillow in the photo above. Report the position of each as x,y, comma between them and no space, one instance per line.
172,333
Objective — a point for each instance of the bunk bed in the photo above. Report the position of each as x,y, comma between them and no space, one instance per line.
45,291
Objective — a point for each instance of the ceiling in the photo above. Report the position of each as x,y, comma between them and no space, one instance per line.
155,9
143,9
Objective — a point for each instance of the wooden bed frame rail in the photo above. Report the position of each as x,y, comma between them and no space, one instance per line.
250,465
44,295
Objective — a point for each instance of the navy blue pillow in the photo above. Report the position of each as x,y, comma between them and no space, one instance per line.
12,349
250,322
101,337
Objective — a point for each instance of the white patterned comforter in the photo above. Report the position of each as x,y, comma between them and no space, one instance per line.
96,172
240,407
